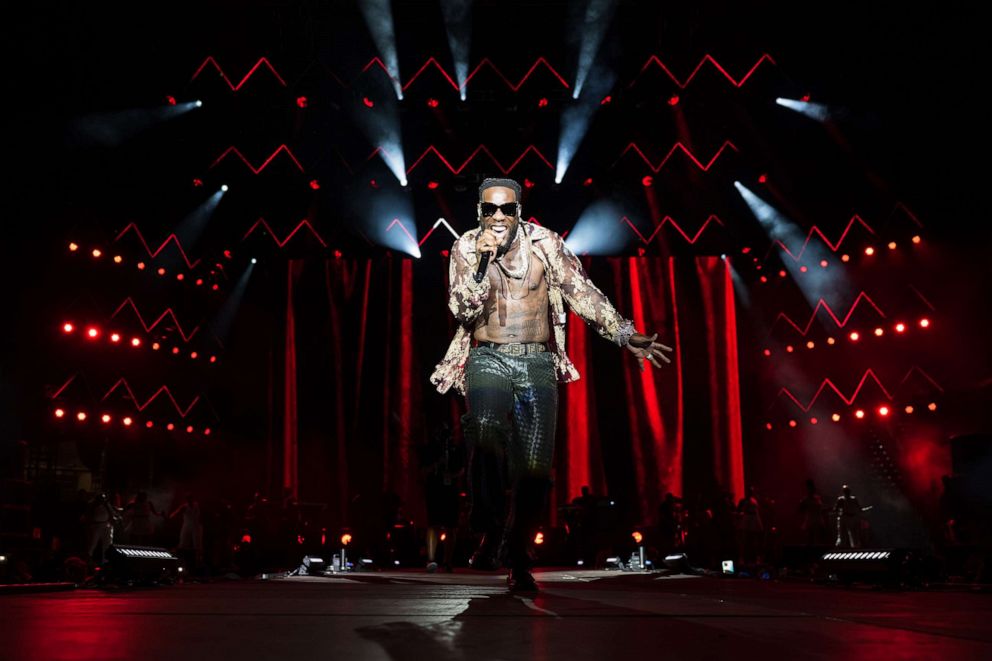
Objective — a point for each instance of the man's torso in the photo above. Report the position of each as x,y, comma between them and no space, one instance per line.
515,317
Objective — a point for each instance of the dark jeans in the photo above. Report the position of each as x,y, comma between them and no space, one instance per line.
510,436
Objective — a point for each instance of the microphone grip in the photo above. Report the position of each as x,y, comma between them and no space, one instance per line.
480,272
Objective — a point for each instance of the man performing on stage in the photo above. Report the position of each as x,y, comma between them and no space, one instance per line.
508,283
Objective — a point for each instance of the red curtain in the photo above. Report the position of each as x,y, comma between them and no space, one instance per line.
646,428
360,338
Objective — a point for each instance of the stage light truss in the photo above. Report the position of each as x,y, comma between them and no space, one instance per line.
431,64
869,374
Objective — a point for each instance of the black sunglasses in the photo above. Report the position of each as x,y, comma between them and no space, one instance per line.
508,209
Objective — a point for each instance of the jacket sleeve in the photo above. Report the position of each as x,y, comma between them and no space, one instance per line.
587,301
466,297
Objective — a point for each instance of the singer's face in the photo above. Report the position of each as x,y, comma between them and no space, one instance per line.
503,226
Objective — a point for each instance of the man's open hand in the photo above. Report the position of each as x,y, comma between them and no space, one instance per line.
645,348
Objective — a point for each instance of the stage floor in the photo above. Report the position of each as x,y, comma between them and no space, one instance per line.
437,617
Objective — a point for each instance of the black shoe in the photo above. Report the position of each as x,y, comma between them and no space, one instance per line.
521,580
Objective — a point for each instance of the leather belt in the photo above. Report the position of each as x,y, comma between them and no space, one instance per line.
516,348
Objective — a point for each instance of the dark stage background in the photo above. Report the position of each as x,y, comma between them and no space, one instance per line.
338,305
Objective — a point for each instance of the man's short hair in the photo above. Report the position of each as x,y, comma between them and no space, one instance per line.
502,183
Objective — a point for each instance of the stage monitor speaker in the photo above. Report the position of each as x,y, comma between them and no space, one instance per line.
142,564
678,562
313,566
877,566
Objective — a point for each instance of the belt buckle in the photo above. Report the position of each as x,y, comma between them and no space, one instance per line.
518,349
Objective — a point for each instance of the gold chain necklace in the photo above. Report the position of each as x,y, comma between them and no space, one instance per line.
523,271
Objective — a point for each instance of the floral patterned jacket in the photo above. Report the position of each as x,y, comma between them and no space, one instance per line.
567,283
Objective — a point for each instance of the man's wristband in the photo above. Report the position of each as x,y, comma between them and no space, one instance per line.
625,332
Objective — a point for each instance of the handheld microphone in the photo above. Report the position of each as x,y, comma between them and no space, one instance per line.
480,272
